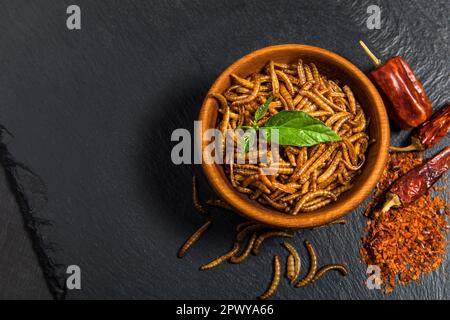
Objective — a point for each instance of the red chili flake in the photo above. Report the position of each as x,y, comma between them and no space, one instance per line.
409,241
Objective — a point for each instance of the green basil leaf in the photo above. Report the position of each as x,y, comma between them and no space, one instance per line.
297,128
248,139
262,109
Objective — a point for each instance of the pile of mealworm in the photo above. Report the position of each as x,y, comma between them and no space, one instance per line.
253,235
308,178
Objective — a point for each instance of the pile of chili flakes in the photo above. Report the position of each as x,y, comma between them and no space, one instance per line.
405,242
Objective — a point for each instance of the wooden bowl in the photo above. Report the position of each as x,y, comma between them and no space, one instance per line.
334,67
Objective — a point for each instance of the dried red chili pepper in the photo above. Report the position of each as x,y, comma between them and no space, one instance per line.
409,105
430,132
417,181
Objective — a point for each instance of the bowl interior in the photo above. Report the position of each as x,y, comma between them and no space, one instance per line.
334,67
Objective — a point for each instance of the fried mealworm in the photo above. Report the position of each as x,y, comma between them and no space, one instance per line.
362,123
222,258
339,190
301,72
297,261
337,126
281,65
275,195
308,74
308,106
307,86
231,96
193,239
261,186
291,158
312,195
351,152
243,225
232,176
319,102
357,136
242,234
285,95
283,77
351,99
222,101
244,190
312,268
333,177
318,114
351,167
331,120
331,168
250,180
314,202
300,170
195,197
320,160
327,101
273,76
317,206
290,267
247,167
315,73
248,98
276,205
246,253
339,267
314,180
269,234
298,98
275,280
255,194
219,204
339,221
284,188
241,81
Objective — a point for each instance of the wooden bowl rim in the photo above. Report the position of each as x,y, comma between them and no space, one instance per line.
261,214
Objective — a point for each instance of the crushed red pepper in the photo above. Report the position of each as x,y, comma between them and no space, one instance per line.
409,241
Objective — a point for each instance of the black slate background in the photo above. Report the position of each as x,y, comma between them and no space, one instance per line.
92,112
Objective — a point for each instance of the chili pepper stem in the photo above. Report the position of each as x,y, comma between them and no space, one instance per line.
372,57
392,200
414,146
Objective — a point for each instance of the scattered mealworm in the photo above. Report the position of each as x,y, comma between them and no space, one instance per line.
219,204
270,234
195,197
313,266
246,253
297,261
290,268
339,267
242,234
193,239
222,258
339,221
243,225
275,280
